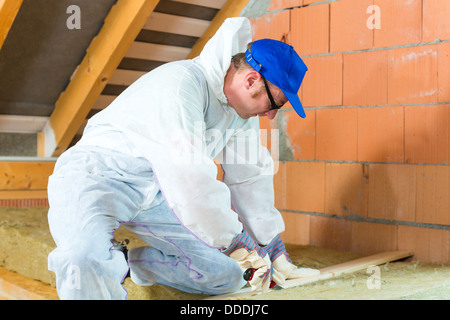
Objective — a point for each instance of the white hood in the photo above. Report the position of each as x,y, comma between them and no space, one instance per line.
231,38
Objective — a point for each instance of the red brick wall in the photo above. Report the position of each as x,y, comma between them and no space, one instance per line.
368,169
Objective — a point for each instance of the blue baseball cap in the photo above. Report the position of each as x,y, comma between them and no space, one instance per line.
281,65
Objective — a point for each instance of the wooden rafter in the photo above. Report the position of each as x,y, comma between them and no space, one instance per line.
232,8
8,12
120,29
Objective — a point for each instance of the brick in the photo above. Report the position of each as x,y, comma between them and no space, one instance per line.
413,75
336,134
297,228
301,134
380,134
331,233
392,192
401,23
365,78
428,245
427,134
371,238
322,85
444,72
346,192
433,190
284,4
300,186
273,25
348,29
436,24
414,239
267,128
310,29
267,124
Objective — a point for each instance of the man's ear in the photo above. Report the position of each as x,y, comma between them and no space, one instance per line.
251,78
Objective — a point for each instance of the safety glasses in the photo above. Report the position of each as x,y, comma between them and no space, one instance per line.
273,105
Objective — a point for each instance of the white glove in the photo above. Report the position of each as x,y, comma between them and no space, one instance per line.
252,260
283,270
249,254
282,266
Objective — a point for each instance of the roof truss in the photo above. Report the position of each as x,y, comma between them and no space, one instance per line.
114,42
121,27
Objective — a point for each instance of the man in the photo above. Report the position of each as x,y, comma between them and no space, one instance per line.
147,162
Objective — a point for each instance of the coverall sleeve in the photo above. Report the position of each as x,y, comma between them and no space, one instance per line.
165,124
248,171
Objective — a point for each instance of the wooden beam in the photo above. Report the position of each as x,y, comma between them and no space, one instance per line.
350,267
24,180
156,52
8,12
122,25
176,24
217,4
232,8
125,77
14,286
25,175
22,194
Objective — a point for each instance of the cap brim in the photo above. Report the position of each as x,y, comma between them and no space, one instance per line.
296,104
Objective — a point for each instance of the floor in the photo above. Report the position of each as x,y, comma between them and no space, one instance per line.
26,242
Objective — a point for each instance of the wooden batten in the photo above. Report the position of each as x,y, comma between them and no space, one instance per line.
176,24
24,180
217,4
121,27
25,175
157,52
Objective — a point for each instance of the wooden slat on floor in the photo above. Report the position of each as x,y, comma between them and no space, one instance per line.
328,272
13,286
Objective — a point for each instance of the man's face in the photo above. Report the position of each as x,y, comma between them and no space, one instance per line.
249,97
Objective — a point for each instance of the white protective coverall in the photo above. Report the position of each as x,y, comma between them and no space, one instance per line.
147,162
